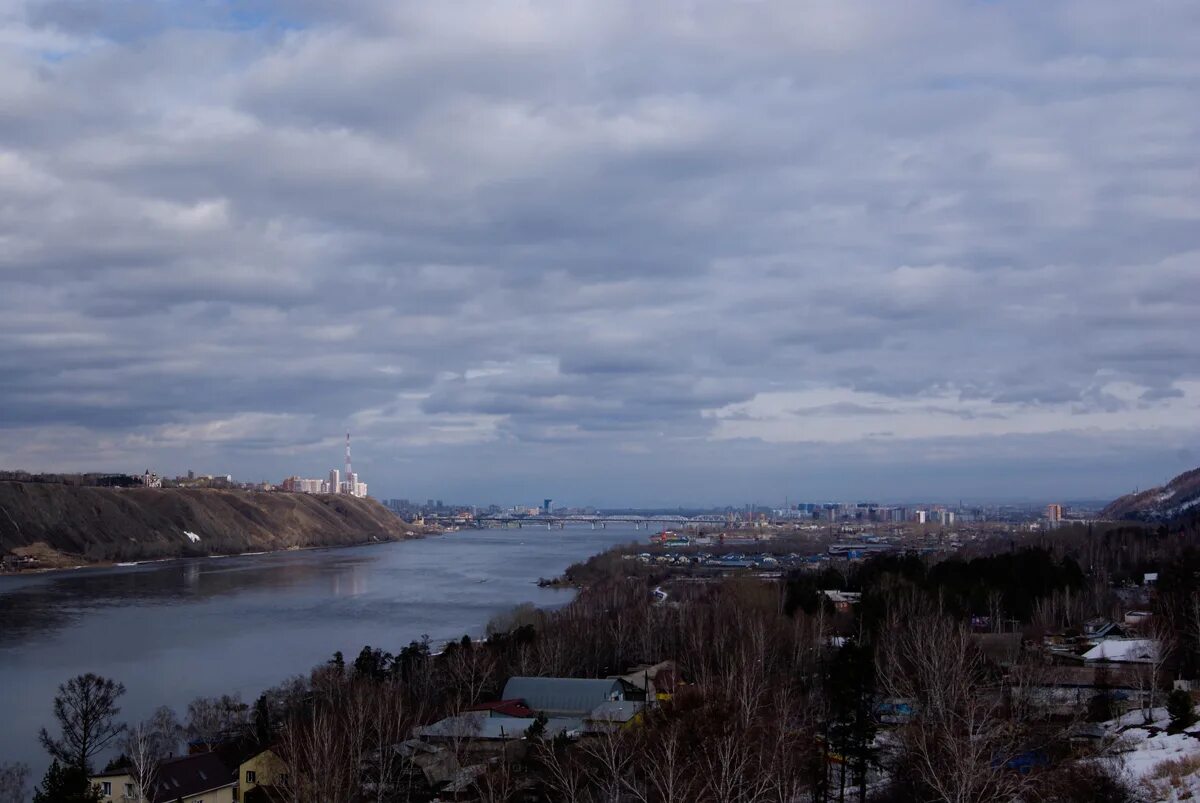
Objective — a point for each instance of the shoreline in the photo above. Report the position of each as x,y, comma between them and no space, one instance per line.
42,571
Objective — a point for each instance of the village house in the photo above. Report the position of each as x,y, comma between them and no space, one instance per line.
650,682
613,716
202,778
564,697
1123,651
259,774
843,601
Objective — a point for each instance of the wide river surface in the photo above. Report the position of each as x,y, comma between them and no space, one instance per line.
173,631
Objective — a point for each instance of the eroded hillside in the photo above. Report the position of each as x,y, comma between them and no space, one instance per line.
109,524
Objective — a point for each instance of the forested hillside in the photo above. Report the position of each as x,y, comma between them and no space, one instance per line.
1178,497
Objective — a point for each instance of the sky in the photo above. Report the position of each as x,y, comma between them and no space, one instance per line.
605,251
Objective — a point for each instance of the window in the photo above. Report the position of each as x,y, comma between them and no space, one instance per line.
106,788
129,790
251,776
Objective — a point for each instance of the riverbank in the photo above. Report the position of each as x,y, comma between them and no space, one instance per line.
61,564
44,525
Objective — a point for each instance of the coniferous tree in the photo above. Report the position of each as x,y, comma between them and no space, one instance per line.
1181,710
262,721
66,784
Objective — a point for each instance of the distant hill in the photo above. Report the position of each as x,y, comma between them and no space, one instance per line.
1180,495
112,524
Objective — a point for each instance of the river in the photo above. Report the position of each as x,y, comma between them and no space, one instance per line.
173,631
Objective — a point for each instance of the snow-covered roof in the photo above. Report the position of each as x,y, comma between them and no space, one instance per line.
1124,650
478,725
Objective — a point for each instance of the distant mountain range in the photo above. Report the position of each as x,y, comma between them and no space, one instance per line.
1179,496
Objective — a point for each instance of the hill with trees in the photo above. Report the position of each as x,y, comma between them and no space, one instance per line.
1178,497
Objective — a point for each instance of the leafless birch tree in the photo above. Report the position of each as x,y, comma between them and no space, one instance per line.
147,744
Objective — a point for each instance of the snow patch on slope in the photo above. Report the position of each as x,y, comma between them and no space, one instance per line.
195,539
1165,765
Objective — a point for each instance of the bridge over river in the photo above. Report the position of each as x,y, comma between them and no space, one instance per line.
551,521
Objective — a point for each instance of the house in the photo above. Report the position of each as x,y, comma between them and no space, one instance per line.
202,778
649,681
435,763
1124,651
116,786
479,726
1101,628
1137,618
258,774
1071,686
505,708
842,601
613,716
564,697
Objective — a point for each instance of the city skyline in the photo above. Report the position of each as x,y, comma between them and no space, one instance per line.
727,251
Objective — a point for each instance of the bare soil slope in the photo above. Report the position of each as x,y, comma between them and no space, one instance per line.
109,524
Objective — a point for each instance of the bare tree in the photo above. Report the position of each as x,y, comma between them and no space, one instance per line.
14,783
665,772
784,762
609,761
731,769
471,671
86,710
317,754
390,721
995,605
564,772
499,783
957,744
211,719
1149,674
146,745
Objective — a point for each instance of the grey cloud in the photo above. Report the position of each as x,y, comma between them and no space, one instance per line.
577,228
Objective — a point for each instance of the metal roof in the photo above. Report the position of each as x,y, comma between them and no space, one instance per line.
570,696
617,711
478,725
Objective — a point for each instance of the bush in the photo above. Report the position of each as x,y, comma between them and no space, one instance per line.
1181,710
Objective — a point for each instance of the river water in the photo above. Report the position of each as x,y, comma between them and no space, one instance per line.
205,626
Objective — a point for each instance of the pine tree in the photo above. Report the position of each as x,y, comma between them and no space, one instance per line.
263,731
66,785
1181,710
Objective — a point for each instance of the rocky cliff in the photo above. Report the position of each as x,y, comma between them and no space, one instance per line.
1178,497
110,524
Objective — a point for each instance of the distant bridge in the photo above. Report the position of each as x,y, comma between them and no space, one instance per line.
551,520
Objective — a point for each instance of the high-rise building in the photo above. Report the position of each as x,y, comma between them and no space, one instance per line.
1054,513
335,481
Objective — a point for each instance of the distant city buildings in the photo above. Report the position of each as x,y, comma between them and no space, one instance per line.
351,485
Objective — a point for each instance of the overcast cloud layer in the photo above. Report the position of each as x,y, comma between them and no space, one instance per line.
608,251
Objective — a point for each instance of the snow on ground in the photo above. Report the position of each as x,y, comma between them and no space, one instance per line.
191,536
1166,765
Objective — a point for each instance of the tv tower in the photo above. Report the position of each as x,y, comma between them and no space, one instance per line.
348,473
